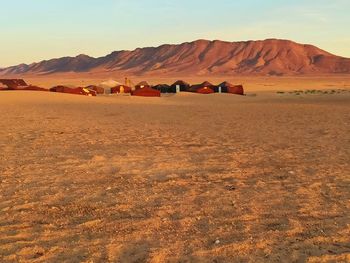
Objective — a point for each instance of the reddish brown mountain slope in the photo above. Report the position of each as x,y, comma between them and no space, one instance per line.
272,56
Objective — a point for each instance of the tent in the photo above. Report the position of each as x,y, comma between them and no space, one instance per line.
99,90
146,92
184,86
78,91
227,87
164,88
143,84
13,83
120,89
18,84
204,88
224,85
109,84
236,89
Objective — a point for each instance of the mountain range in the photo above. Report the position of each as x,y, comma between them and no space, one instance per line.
200,57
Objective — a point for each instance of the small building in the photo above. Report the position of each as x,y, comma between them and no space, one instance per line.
184,86
146,92
121,89
203,88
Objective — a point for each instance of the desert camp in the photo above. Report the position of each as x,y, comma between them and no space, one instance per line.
175,131
112,87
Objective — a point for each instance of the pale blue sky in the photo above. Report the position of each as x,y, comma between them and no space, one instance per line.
33,30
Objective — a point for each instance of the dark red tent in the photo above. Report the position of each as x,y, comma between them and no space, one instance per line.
121,89
237,89
204,88
146,92
78,91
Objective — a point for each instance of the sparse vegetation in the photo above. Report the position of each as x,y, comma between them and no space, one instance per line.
313,92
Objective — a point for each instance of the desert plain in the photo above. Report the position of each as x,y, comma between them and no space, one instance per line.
181,178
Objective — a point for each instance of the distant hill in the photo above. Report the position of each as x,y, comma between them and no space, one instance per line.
201,57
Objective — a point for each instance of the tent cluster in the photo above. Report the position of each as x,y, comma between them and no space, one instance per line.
145,89
224,87
141,89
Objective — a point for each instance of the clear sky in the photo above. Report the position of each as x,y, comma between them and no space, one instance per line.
33,30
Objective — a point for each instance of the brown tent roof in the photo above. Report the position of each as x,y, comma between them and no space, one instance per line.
206,84
164,88
180,83
225,84
161,86
143,83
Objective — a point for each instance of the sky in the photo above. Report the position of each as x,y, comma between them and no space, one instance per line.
34,30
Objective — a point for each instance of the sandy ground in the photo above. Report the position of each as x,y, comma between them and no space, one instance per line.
185,178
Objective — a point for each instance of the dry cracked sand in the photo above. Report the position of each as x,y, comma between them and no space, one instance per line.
185,178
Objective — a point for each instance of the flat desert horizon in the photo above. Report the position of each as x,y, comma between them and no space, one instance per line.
251,83
181,178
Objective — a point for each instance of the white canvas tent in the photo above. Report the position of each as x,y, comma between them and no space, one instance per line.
108,84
